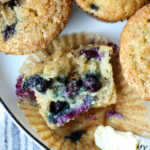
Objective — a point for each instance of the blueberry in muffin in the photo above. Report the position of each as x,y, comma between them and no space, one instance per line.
67,84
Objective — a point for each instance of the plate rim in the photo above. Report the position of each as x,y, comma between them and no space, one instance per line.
18,124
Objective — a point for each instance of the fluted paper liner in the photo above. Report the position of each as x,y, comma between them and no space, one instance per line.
133,114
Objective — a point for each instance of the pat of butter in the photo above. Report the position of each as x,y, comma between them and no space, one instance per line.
107,138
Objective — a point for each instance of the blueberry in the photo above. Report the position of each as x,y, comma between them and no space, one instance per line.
12,3
93,6
91,53
91,83
42,85
9,30
73,87
75,136
30,82
38,82
68,113
62,79
58,106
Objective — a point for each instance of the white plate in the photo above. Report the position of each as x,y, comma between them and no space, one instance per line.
9,65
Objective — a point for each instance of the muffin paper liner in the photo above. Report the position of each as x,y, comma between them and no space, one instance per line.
134,113
128,114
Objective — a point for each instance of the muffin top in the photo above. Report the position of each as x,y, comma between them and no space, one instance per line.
30,25
109,10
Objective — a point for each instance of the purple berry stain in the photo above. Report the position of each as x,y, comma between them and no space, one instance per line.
114,46
9,30
92,41
114,113
92,53
23,94
57,107
68,114
73,88
91,117
75,136
91,83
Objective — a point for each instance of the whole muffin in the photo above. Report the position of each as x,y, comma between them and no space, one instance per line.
30,25
135,52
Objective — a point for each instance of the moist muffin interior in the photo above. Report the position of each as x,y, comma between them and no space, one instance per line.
66,85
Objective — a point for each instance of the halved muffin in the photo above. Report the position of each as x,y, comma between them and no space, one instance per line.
67,84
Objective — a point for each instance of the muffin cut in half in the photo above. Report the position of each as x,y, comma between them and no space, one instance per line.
67,84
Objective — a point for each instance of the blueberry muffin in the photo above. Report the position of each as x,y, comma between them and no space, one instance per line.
109,10
30,25
67,84
128,114
135,51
